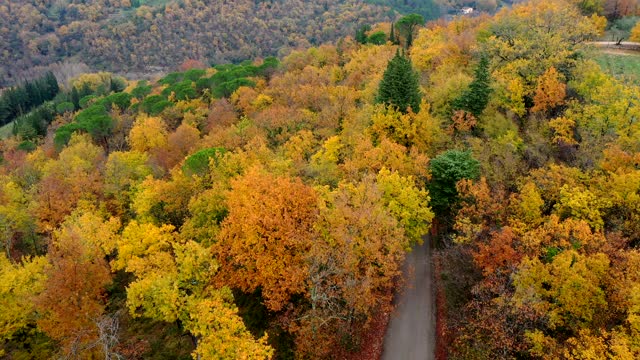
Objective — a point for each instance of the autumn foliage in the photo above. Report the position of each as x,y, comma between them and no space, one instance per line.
273,218
264,209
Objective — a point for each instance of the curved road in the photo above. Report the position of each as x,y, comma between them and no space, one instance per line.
411,331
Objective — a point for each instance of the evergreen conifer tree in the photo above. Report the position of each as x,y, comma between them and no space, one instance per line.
75,97
19,100
361,33
476,97
4,111
34,97
392,35
52,85
399,86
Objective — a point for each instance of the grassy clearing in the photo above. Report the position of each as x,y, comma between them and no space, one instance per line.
6,130
154,2
624,66
125,13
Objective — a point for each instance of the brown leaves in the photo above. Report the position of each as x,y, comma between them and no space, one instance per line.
483,211
463,122
352,265
362,245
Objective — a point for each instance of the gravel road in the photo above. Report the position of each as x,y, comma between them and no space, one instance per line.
411,331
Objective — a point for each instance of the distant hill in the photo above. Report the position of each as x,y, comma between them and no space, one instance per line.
429,9
152,35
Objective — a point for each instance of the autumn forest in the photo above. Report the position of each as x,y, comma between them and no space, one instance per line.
244,179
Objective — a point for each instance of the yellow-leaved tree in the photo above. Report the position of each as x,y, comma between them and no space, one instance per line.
16,221
18,284
528,39
173,282
567,293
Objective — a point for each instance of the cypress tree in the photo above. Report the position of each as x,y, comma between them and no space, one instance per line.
4,111
51,85
361,33
392,34
476,97
34,97
10,100
399,86
75,98
20,100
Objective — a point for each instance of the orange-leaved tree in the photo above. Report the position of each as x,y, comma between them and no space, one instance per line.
263,242
73,299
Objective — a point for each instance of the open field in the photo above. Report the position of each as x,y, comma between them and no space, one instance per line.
623,64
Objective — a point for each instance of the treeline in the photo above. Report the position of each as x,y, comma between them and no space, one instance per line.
19,100
98,102
33,125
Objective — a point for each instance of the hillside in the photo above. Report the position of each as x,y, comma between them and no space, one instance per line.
264,209
147,36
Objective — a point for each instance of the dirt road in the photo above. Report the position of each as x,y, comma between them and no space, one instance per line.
624,48
411,331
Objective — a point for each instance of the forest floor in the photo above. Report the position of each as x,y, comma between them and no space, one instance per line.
411,331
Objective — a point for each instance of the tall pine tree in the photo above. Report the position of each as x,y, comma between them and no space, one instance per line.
476,97
392,35
34,96
75,97
21,99
399,86
5,112
361,33
51,85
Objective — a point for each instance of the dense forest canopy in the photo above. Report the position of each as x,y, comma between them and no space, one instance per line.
263,209
144,36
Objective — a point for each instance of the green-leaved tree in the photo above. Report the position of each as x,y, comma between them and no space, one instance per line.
475,98
446,170
407,26
399,86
